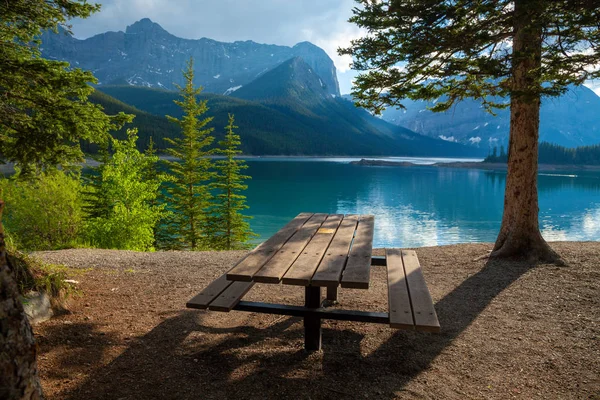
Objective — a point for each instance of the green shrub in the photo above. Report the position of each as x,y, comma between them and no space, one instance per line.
43,213
121,209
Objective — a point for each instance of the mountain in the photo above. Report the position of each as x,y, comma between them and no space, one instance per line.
147,55
570,120
288,110
295,90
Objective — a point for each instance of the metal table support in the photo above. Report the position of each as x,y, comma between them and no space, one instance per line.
313,313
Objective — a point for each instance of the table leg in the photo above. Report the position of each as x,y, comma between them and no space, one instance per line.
332,292
312,324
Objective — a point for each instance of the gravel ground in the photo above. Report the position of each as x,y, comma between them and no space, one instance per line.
509,330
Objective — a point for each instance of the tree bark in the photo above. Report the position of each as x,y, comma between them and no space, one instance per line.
18,367
520,235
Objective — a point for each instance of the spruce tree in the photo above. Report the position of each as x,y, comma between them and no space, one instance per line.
44,114
188,191
151,173
228,228
488,50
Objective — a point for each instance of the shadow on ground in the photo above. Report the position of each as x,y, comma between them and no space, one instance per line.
202,361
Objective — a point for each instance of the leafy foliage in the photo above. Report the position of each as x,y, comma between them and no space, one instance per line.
227,228
44,212
424,49
188,193
125,213
44,110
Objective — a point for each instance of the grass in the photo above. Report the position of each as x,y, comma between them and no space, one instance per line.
32,274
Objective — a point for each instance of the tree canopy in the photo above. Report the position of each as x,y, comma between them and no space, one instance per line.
460,48
488,50
189,172
44,111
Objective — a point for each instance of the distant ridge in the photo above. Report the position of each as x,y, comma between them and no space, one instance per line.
288,111
570,120
147,55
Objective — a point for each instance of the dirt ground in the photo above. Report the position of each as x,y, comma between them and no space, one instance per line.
509,330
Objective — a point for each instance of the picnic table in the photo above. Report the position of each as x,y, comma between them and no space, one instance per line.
325,250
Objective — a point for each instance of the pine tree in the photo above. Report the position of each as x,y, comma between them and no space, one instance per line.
188,191
96,203
151,173
487,50
44,108
228,228
44,114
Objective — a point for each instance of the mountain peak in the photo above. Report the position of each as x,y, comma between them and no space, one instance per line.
144,25
146,54
306,44
292,79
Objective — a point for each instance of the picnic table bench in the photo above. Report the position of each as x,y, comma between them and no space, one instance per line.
325,250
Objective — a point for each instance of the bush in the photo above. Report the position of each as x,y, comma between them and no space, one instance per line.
43,213
121,209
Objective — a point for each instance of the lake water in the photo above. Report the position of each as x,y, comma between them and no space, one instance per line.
416,206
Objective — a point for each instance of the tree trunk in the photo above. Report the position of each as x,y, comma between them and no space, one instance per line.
520,235
18,367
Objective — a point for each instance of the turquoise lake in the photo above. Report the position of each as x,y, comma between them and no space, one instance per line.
416,206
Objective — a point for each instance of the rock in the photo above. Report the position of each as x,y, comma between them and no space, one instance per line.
37,307
147,55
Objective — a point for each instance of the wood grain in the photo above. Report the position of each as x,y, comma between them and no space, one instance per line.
254,261
209,293
358,268
422,305
231,296
330,269
302,270
401,315
277,266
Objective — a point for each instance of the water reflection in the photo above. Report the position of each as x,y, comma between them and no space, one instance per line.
418,206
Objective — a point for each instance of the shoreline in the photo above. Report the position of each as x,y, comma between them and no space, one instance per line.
474,165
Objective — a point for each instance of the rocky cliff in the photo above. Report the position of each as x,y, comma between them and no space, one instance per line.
147,55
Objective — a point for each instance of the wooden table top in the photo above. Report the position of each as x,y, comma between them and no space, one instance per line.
313,250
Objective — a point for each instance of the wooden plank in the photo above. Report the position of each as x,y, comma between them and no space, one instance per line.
209,293
358,268
420,298
330,269
306,264
277,266
248,266
231,296
401,315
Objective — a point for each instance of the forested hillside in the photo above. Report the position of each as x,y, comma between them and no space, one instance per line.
335,128
554,154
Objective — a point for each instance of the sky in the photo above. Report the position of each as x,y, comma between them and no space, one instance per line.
282,22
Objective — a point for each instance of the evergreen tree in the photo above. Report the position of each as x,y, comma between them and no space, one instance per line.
487,50
44,107
96,202
44,113
228,228
152,173
132,214
188,191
